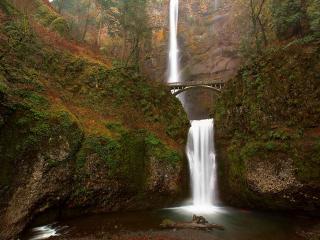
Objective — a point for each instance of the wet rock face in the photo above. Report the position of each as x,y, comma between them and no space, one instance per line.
163,178
63,172
272,176
129,184
265,183
40,182
278,178
69,143
207,43
269,149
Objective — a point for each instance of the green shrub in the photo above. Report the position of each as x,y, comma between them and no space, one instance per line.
6,7
314,16
3,87
61,26
152,140
45,15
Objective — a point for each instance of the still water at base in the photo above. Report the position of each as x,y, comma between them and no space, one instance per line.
239,224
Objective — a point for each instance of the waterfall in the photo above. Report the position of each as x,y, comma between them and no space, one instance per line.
202,163
174,50
200,146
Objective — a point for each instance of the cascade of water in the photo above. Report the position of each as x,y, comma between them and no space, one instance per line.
200,148
202,163
174,50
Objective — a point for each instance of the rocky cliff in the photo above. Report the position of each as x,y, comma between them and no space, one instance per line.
267,119
209,44
268,131
76,132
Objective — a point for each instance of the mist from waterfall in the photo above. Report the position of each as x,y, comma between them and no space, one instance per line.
174,49
202,163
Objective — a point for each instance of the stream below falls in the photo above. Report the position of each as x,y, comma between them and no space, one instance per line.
239,224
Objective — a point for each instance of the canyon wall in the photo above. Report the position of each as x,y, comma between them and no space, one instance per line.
76,134
208,41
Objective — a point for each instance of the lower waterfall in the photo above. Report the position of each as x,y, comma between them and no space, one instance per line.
202,163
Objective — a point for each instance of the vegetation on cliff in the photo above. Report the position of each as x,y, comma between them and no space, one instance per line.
268,125
112,27
78,126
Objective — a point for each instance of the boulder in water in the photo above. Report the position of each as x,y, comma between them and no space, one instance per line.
199,219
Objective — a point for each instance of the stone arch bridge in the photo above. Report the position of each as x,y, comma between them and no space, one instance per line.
216,84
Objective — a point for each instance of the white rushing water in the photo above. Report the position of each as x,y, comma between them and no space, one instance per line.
44,232
202,163
174,49
200,147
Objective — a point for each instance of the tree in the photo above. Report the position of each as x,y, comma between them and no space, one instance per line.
87,18
256,9
313,12
289,17
60,5
128,19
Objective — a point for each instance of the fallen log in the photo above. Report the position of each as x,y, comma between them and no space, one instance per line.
190,225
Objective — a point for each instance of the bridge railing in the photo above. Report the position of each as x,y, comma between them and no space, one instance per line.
197,83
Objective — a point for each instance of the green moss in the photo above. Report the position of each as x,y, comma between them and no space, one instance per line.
167,223
6,7
127,157
237,166
3,87
307,162
133,161
264,113
124,158
116,127
104,147
279,135
152,140
269,92
31,131
156,148
21,43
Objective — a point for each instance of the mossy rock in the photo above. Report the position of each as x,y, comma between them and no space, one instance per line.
110,132
126,155
28,133
307,161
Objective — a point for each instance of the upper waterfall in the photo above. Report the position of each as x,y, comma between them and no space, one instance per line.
174,49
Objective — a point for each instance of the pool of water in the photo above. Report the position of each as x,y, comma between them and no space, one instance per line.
239,224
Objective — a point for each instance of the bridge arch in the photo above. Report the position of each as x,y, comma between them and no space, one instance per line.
176,92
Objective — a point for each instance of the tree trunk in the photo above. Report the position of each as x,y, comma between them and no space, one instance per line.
99,33
60,6
86,22
263,31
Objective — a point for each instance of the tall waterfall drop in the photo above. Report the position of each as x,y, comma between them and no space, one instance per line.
202,163
174,50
